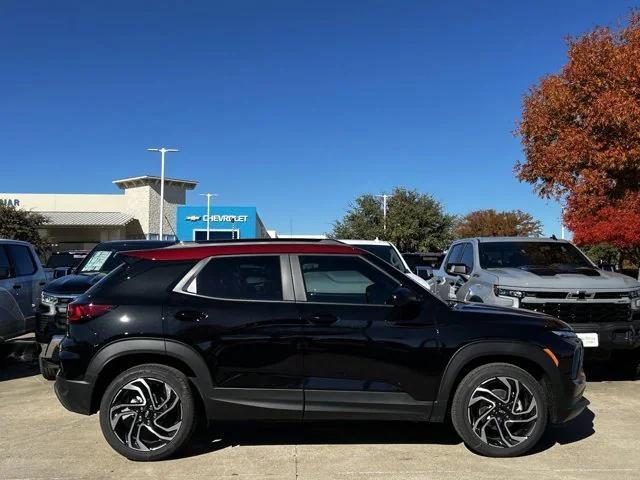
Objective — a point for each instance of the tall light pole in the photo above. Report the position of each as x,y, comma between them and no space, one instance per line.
162,151
384,197
208,195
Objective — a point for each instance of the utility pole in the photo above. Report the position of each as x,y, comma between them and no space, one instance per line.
209,195
562,222
162,151
384,197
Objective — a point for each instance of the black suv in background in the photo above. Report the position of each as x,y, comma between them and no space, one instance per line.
305,331
51,317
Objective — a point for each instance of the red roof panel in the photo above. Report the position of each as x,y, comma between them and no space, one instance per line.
205,251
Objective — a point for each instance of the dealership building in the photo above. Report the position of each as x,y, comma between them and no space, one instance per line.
79,221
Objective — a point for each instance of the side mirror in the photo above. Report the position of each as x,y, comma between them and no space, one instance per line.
457,269
406,303
402,297
5,272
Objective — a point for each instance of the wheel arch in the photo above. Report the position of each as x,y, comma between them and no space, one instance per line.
123,354
524,355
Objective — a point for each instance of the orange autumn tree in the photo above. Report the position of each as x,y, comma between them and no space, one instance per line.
490,223
580,130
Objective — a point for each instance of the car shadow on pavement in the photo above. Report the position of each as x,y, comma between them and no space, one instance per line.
234,434
573,431
609,371
227,435
18,359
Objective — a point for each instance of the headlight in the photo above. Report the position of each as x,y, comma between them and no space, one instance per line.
46,298
634,293
565,333
508,292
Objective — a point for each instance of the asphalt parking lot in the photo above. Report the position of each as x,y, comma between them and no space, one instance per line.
40,439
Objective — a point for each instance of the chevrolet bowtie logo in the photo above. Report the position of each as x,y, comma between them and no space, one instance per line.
193,218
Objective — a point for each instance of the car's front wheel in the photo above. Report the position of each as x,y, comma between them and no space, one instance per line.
148,412
499,410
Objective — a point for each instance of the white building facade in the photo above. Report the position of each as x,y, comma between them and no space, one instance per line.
82,220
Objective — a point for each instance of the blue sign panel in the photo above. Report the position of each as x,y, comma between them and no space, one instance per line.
224,223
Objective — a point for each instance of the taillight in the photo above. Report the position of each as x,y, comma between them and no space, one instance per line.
81,312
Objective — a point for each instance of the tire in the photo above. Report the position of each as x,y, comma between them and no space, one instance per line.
506,429
49,372
145,428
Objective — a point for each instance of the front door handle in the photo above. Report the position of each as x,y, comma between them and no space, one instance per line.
190,316
322,318
17,286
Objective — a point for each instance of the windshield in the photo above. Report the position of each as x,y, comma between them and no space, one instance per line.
386,253
556,255
65,259
99,261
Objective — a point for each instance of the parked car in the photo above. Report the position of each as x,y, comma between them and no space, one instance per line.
21,280
313,331
390,254
549,276
57,294
60,264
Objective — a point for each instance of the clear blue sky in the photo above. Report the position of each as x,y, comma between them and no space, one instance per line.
295,107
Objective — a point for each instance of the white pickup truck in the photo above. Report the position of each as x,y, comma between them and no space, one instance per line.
549,276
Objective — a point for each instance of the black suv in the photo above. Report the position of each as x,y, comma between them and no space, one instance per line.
51,316
305,331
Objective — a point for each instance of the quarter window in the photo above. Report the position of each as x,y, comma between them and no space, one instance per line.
241,278
345,279
23,263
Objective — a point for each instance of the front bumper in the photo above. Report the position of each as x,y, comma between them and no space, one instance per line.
612,335
570,403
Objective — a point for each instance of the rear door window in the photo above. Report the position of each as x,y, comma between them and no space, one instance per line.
22,260
240,278
4,259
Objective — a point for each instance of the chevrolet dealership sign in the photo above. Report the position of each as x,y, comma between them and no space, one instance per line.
218,218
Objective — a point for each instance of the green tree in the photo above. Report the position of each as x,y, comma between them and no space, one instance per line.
490,223
23,225
604,253
415,221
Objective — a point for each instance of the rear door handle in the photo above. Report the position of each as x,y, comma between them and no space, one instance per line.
190,316
322,318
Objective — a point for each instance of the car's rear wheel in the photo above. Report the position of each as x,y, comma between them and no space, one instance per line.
499,410
148,412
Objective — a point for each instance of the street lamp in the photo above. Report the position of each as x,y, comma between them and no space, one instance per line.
208,195
162,152
384,197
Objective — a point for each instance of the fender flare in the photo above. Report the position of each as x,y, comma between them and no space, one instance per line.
159,346
471,352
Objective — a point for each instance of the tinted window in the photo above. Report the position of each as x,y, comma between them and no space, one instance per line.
345,279
467,256
558,255
454,254
23,263
248,278
4,260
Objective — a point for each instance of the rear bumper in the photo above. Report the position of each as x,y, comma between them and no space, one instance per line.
74,395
